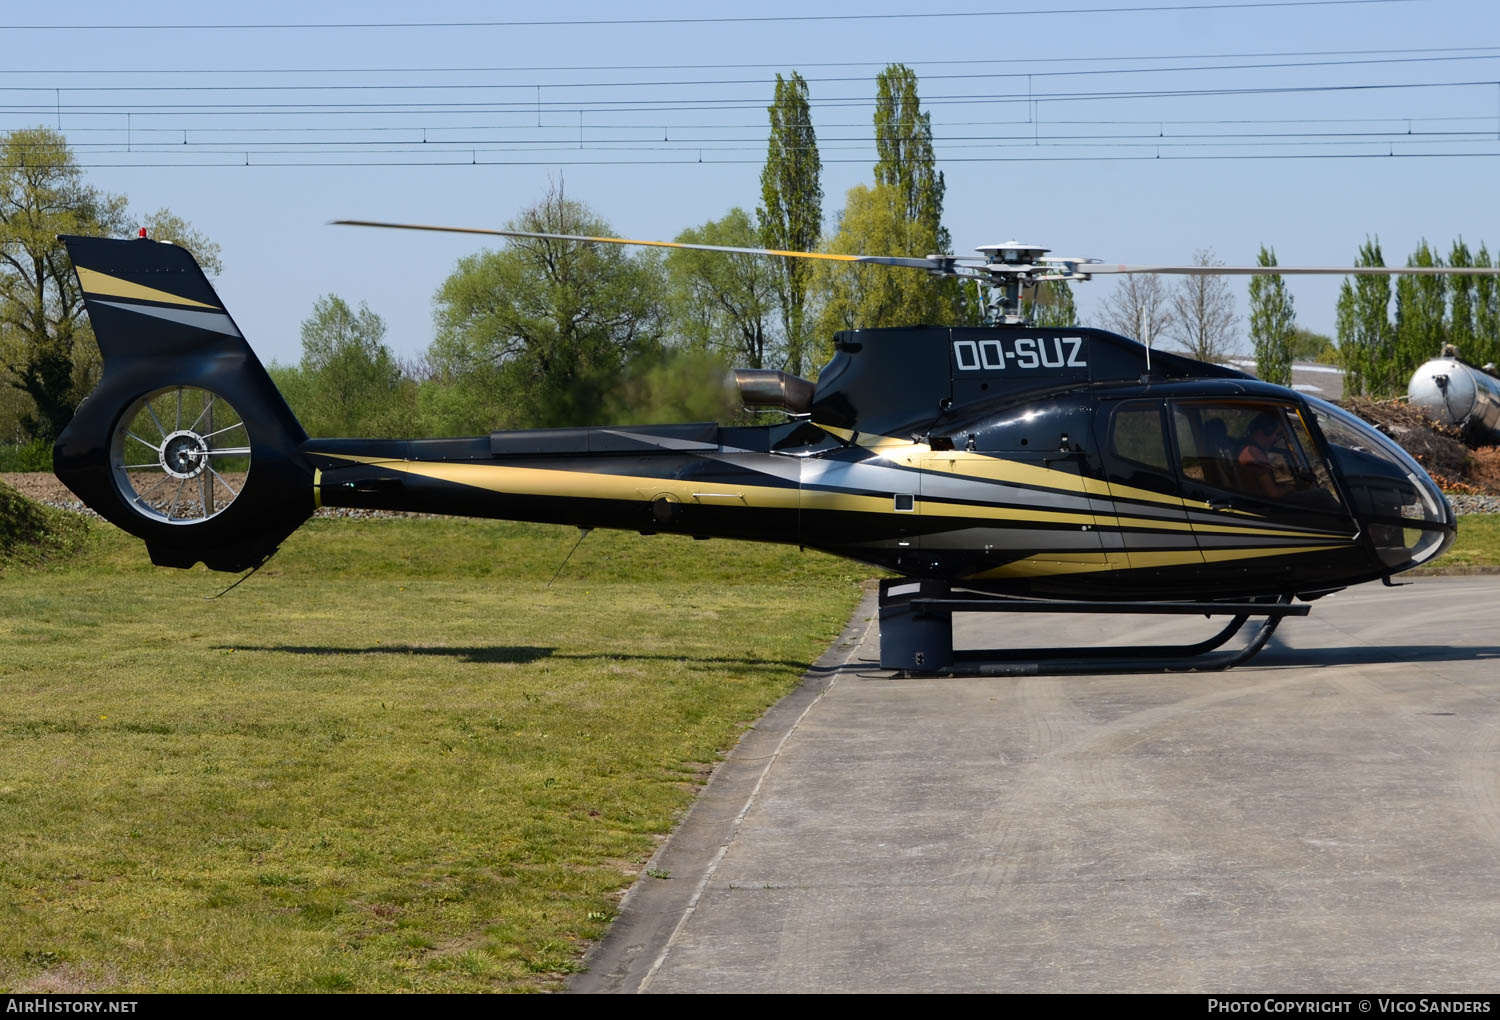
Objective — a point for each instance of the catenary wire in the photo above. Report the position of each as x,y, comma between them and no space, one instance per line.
732,20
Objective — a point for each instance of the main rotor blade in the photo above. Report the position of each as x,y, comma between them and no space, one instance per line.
1100,270
883,260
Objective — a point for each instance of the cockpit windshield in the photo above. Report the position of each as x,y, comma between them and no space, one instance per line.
1403,509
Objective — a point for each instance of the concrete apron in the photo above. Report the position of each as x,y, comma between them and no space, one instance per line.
1324,819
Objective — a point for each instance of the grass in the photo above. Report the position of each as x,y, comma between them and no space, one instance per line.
392,760
31,533
1477,545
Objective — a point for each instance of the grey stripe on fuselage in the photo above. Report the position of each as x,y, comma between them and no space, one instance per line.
214,322
664,442
881,479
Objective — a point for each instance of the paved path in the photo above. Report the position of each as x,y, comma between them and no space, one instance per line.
1325,819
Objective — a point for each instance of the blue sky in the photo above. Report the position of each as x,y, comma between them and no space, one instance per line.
502,102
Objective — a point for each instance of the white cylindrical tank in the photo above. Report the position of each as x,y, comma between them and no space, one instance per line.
1456,393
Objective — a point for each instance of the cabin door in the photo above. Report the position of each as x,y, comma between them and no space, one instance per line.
1147,520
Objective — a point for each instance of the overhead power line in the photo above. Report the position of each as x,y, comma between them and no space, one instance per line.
610,106
475,161
733,143
499,69
1407,119
733,20
669,83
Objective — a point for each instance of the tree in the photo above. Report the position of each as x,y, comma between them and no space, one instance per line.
721,301
791,210
165,225
1053,306
873,221
1364,326
906,163
350,382
1421,326
1203,316
536,334
42,194
1461,293
1139,307
1310,346
1273,323
1486,313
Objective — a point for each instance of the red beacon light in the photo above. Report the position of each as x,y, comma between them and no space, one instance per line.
142,234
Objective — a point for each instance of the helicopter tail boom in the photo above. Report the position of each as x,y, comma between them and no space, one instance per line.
185,442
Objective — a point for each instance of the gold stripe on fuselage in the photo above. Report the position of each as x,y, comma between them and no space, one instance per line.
95,283
1045,564
562,482
522,481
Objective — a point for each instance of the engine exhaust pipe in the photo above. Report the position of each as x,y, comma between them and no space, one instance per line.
764,387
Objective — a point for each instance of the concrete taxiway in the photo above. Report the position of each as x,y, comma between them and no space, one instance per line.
1326,818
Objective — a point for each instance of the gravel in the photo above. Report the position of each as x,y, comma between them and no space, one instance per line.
45,488
1464,504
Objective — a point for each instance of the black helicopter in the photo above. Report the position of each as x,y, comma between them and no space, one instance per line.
997,468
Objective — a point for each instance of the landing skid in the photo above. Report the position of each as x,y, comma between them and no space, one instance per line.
916,634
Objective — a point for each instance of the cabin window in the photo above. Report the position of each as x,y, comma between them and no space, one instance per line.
1262,451
1135,435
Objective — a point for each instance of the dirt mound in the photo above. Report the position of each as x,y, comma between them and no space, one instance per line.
1484,468
1437,447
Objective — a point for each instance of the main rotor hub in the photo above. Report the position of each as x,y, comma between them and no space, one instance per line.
1012,253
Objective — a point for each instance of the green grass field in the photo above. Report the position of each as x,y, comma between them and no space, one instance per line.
392,760
1477,545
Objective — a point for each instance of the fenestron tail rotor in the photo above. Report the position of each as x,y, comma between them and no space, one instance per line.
1008,268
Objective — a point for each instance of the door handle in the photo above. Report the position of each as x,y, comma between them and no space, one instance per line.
1221,505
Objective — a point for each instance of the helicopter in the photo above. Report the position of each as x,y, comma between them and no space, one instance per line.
994,468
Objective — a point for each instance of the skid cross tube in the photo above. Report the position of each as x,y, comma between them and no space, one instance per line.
916,634
1005,605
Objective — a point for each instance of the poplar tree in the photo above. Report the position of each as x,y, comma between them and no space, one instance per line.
1273,323
1486,313
906,164
862,297
1421,306
1461,302
903,145
790,215
1364,326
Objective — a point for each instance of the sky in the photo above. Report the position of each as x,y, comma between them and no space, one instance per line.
1127,130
